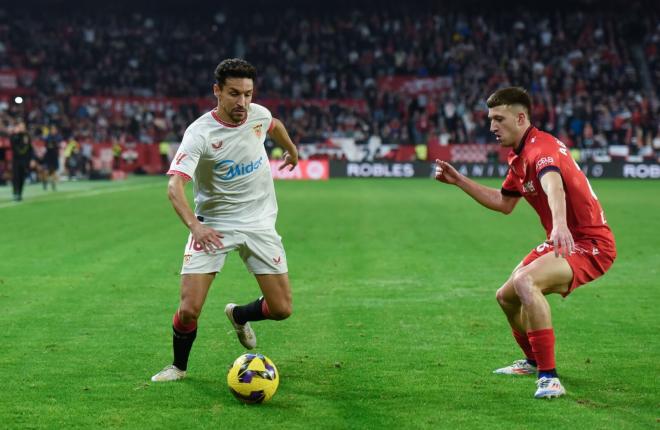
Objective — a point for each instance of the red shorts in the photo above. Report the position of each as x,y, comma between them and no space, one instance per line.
591,258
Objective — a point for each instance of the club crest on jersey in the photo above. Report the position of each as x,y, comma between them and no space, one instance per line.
257,130
230,169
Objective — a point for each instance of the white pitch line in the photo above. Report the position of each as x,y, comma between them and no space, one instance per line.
78,194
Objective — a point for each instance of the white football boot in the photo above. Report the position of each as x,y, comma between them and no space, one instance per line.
244,331
549,388
169,373
519,367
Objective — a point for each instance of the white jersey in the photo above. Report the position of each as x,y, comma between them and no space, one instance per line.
233,185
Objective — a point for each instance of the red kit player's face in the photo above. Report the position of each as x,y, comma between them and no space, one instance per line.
507,124
234,98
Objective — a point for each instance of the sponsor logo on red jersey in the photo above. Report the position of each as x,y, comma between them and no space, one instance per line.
544,161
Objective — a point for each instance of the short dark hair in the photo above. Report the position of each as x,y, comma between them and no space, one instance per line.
234,68
511,96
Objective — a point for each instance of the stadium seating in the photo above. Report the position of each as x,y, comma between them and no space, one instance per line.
406,76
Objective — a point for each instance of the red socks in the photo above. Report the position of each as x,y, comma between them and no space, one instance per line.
543,347
523,341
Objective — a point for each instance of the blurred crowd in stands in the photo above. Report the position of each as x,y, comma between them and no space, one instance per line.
594,74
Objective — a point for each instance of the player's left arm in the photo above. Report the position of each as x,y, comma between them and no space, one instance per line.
278,133
561,236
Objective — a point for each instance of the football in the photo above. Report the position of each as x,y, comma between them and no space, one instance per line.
253,378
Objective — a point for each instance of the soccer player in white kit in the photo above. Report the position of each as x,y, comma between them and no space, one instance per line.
235,209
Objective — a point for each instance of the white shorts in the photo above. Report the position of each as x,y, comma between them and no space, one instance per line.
261,251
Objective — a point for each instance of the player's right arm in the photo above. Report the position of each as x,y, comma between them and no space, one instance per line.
202,234
489,197
182,169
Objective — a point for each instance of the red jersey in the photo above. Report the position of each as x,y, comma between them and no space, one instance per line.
538,154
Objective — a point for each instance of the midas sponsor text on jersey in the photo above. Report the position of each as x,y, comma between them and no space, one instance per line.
235,170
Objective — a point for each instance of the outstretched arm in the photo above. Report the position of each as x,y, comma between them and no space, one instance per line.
561,236
279,134
489,197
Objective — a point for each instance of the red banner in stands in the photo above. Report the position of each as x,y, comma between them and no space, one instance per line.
154,104
16,78
273,104
414,85
306,169
159,104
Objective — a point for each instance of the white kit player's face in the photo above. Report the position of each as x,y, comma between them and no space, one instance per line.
234,98
508,123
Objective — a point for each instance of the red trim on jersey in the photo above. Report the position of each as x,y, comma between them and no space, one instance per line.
176,172
272,125
226,124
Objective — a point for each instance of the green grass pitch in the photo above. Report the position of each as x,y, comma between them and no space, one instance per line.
395,322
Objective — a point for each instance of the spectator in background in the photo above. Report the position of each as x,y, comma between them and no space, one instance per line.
73,157
86,154
51,160
655,143
116,155
582,75
22,157
3,165
163,151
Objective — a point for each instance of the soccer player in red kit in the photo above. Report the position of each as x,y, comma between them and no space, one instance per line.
579,247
